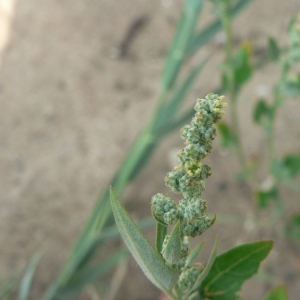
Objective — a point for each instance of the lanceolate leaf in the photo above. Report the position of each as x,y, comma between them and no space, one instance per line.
6,289
172,249
173,106
208,33
242,68
28,277
183,36
90,273
279,293
232,268
207,267
161,232
193,255
144,253
273,49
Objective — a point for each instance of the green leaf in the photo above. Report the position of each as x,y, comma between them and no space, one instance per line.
28,276
172,249
143,159
293,228
90,273
181,40
173,106
291,85
291,163
262,111
6,289
232,268
286,168
241,67
279,293
264,197
210,31
207,267
273,49
161,232
227,135
193,255
150,261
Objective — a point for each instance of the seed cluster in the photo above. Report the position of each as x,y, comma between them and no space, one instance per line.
188,178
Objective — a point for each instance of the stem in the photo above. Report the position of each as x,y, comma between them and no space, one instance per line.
227,26
271,147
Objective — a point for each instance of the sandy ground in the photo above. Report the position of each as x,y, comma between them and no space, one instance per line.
71,106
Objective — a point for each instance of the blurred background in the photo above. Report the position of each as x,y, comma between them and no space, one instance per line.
78,82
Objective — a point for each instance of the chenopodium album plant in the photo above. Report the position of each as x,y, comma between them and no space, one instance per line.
170,266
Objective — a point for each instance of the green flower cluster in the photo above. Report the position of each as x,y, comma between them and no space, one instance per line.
164,209
188,177
188,278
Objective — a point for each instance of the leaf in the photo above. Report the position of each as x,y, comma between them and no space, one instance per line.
210,31
143,159
278,293
28,276
291,163
181,40
291,85
264,197
6,289
172,249
193,255
150,261
293,228
161,231
232,268
227,135
90,273
286,168
207,267
273,49
179,95
262,111
241,67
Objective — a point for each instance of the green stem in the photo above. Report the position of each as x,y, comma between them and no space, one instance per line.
227,26
271,147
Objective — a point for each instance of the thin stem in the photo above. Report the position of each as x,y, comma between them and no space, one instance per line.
227,26
271,147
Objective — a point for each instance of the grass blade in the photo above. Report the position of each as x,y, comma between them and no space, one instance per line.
144,253
6,288
27,279
172,107
91,273
207,34
184,33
